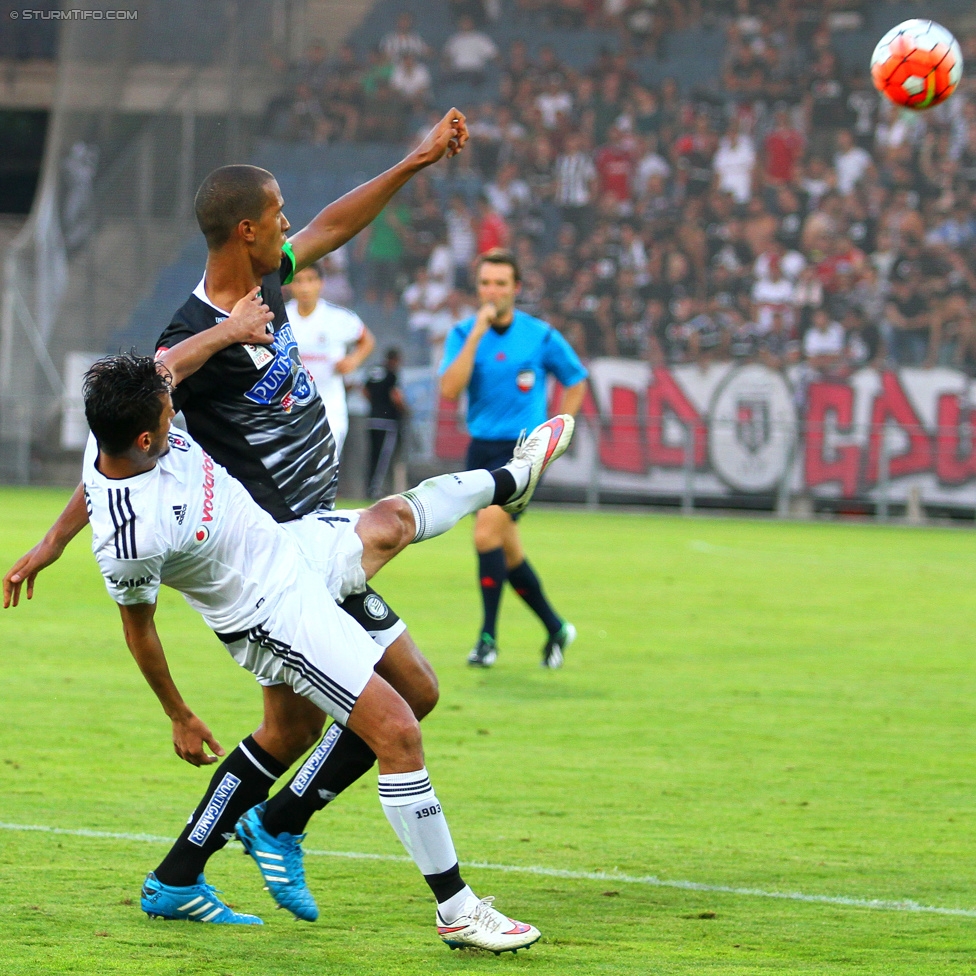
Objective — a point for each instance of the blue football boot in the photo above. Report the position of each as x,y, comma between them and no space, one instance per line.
279,860
191,903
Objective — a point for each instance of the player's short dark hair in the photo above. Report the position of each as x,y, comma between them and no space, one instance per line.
123,399
498,255
228,196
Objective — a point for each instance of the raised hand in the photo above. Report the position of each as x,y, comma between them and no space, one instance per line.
446,138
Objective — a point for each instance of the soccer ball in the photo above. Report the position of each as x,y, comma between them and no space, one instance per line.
917,64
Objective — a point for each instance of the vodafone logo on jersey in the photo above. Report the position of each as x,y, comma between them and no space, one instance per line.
525,380
201,535
208,492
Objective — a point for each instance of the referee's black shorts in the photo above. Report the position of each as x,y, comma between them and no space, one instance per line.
489,455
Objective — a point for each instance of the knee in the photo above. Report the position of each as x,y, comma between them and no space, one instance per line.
486,537
289,741
402,741
391,524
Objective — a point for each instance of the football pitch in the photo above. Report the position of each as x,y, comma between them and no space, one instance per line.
759,758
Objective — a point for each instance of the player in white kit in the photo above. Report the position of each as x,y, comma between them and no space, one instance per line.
163,512
332,340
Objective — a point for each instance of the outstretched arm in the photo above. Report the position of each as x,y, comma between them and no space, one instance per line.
190,735
346,217
69,523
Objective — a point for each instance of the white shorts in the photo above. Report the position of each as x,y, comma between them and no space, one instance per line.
310,644
334,551
331,547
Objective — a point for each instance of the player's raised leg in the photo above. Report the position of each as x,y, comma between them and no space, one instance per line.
383,720
438,504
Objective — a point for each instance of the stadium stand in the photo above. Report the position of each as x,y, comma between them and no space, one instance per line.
659,256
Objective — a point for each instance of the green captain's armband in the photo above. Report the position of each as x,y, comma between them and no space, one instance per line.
287,249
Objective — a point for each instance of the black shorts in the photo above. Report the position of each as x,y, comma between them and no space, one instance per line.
374,615
489,455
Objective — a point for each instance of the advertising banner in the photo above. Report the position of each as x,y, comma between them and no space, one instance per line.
730,429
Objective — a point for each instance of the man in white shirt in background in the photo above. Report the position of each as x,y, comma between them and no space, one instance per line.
425,298
468,52
333,342
735,161
851,162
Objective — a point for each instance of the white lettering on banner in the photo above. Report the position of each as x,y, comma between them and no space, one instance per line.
748,426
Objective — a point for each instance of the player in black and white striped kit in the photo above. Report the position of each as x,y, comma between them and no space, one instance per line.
163,512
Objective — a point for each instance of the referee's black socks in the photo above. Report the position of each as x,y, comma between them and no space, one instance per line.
242,781
337,762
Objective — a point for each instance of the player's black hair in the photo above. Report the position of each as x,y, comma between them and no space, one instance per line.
228,196
123,399
498,255
393,353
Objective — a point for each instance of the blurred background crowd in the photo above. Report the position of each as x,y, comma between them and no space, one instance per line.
788,215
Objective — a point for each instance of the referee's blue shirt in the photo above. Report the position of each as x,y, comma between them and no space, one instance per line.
507,390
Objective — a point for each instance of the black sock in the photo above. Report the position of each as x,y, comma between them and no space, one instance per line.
525,582
242,781
491,573
446,884
505,486
337,762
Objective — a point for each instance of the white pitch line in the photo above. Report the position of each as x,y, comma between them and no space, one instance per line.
878,904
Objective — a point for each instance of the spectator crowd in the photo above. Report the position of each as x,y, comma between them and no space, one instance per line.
784,213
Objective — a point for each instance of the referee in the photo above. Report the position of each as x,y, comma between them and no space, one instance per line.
502,357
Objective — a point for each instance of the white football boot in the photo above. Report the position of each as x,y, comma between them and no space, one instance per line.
537,451
484,927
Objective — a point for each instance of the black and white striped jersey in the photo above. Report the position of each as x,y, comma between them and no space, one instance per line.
189,525
256,410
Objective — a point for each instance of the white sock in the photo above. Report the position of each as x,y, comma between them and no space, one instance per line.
520,471
411,806
438,504
455,905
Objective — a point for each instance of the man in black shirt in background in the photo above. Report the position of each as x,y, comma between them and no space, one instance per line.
387,408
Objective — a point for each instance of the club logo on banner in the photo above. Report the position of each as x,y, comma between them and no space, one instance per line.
752,427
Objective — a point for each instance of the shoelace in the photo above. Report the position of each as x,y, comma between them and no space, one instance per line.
486,915
519,451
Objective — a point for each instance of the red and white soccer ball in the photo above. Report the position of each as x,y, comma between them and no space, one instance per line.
917,64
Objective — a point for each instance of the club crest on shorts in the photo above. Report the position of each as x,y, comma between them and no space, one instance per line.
525,380
374,606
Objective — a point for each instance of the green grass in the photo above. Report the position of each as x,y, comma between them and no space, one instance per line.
753,704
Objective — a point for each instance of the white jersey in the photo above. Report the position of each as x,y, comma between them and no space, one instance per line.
323,338
189,525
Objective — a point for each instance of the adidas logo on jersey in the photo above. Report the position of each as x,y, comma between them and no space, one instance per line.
180,512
